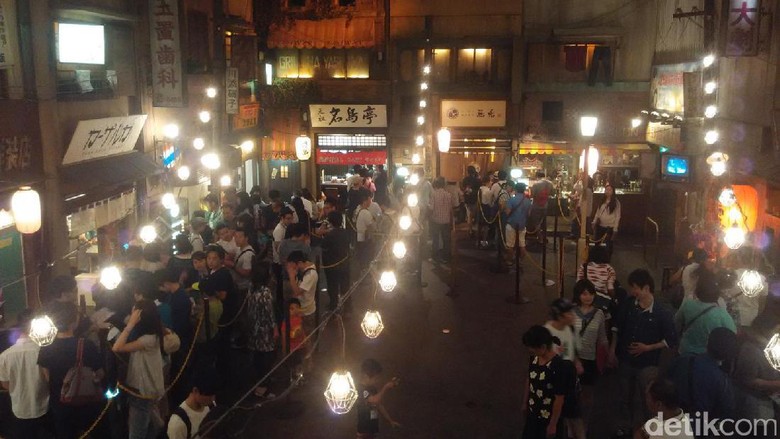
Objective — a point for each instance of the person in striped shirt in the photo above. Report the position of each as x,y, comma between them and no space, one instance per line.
602,275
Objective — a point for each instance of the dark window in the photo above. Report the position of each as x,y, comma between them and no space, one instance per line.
197,42
3,84
345,3
552,111
296,3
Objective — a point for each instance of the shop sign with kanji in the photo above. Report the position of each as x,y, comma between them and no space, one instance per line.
247,117
231,90
7,37
741,27
348,116
167,82
478,114
99,138
20,144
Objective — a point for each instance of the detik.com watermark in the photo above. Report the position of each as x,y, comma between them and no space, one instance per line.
700,425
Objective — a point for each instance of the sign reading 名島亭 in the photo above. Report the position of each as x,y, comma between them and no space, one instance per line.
167,82
326,157
348,116
479,114
99,138
231,90
741,28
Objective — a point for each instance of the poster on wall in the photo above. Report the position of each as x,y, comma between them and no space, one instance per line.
741,28
667,86
13,292
477,114
166,54
7,35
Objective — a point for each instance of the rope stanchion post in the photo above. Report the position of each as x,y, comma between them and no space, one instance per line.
544,255
555,227
453,261
517,299
560,266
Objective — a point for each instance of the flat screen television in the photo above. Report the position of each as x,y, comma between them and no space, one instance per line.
80,43
675,167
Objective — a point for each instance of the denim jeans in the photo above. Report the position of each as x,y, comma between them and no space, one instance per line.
440,234
144,420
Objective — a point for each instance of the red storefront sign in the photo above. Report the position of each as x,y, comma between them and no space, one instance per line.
351,158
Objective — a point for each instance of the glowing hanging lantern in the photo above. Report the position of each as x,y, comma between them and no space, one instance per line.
168,200
710,87
198,143
426,70
711,137
405,222
588,126
148,234
593,160
414,179
175,210
247,146
420,120
734,237
751,283
708,60
183,173
412,200
443,136
710,111
210,161
772,351
419,140
403,171
735,216
399,249
211,92
26,208
416,158
110,277
424,86
423,103
303,147
372,324
717,162
341,392
727,197
204,116
516,173
43,331
171,131
387,281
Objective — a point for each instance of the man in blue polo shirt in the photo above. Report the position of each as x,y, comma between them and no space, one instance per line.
641,329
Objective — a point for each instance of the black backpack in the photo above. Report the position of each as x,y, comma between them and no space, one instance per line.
178,411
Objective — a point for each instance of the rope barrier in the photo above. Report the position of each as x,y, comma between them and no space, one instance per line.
97,421
346,258
238,314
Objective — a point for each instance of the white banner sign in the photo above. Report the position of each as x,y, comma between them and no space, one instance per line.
231,90
7,38
348,116
98,138
166,54
478,114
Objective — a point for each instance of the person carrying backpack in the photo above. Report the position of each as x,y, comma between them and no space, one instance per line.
187,419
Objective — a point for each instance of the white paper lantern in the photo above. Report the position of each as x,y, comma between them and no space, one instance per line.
403,171
711,137
751,283
171,131
420,120
110,277
516,173
26,207
399,249
593,160
387,281
211,92
148,234
303,147
405,222
225,181
635,122
708,60
419,140
175,210
711,111
412,200
588,126
734,237
341,392
710,87
444,137
372,324
43,331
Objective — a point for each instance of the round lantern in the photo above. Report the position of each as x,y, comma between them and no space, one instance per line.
387,281
210,161
372,324
42,331
399,249
717,162
412,200
405,222
183,173
443,136
26,207
303,147
341,392
110,277
751,283
148,234
414,179
727,197
734,237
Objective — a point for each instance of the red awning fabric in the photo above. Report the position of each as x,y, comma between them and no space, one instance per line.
333,33
351,158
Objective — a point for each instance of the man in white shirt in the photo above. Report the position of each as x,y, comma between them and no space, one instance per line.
197,224
187,418
242,269
303,282
364,222
374,208
227,242
20,374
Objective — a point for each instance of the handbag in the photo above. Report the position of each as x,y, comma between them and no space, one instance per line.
171,342
81,386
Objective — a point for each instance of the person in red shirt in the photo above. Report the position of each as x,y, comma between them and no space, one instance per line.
297,336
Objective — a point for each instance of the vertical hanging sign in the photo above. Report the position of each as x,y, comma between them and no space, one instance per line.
166,53
741,24
231,90
6,35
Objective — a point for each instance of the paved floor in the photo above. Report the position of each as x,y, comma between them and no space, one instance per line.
459,359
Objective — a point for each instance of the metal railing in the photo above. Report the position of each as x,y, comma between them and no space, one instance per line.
649,222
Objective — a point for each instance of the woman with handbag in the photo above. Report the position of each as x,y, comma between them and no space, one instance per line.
144,370
607,219
73,368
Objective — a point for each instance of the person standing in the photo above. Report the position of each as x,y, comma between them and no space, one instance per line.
365,223
582,197
303,282
280,230
606,220
541,192
25,383
516,210
214,213
470,188
442,203
486,216
696,319
335,256
381,182
642,328
196,407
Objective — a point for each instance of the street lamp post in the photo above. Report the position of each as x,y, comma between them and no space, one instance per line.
588,130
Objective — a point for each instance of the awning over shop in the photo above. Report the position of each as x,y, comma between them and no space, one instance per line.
544,148
97,179
334,33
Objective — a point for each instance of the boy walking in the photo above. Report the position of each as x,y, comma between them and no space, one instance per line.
370,400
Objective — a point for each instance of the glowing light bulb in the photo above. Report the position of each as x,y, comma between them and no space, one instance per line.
734,237
426,70
43,331
372,324
171,131
204,116
424,86
710,87
751,283
168,200
711,137
110,277
341,392
772,351
399,249
727,198
718,169
183,173
211,92
416,159
198,143
148,234
405,222
247,146
419,140
710,111
175,210
225,181
420,120
423,103
516,173
412,200
387,281
210,161
414,179
708,60
403,171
